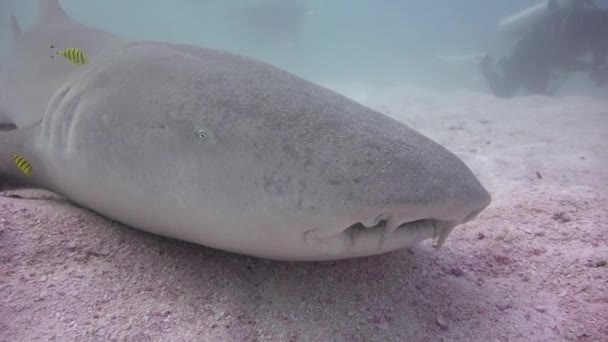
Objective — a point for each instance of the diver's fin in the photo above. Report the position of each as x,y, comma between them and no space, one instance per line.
51,10
17,161
15,28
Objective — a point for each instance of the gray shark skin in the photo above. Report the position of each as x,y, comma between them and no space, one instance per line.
235,154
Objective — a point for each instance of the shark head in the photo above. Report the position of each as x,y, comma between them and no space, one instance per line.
236,154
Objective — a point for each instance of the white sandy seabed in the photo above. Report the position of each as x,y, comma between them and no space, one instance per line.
532,267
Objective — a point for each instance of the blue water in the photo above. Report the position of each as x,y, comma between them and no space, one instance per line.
368,41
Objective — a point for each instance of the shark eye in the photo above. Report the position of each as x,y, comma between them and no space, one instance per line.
202,135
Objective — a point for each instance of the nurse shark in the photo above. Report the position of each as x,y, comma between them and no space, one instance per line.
222,150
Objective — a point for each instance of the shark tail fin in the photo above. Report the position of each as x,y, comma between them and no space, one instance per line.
50,10
15,28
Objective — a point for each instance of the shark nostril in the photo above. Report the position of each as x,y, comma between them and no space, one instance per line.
380,220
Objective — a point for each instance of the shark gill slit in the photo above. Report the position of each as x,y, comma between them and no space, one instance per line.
51,128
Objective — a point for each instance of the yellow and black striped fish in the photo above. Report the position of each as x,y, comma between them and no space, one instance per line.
22,164
74,55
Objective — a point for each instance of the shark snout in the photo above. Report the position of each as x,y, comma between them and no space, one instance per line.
428,209
378,230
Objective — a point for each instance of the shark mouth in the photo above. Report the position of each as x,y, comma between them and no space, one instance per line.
382,234
384,230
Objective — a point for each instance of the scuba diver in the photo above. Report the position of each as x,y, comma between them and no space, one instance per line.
553,46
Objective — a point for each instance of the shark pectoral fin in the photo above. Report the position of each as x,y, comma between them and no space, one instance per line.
17,160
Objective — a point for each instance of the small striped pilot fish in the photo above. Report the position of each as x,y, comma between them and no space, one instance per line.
22,164
74,55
